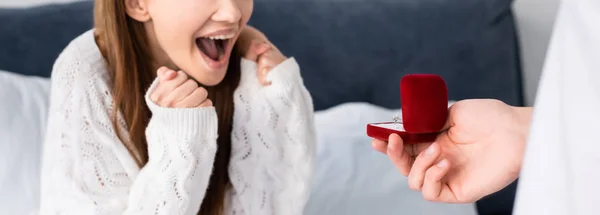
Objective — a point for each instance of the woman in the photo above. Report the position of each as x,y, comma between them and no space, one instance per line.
153,112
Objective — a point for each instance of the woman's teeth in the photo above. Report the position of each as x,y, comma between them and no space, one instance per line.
222,37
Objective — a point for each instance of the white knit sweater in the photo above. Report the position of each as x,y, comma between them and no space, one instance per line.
88,170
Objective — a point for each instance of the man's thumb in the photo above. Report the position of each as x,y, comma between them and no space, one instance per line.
449,122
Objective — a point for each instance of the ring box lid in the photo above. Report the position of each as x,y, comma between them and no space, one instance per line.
424,100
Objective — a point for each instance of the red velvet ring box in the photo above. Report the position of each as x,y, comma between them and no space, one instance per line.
424,100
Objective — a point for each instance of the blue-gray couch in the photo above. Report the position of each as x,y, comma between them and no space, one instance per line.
349,50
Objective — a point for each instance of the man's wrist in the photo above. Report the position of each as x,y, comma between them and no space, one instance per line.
522,116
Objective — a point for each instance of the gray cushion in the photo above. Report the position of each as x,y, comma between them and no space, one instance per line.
32,38
358,50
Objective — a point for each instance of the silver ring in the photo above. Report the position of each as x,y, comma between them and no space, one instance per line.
397,119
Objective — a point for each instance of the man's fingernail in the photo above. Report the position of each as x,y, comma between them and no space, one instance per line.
442,163
430,150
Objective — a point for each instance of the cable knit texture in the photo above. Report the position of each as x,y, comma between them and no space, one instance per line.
88,170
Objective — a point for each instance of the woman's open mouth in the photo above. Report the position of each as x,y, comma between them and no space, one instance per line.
215,49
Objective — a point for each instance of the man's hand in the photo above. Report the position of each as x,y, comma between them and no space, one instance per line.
479,153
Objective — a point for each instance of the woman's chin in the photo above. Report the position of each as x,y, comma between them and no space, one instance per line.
211,78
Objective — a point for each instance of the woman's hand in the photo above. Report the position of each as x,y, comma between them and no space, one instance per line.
246,38
267,58
254,46
176,90
479,153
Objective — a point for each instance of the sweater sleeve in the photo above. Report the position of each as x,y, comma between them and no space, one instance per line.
273,142
87,169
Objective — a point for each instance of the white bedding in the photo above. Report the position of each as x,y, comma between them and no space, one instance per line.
23,110
351,178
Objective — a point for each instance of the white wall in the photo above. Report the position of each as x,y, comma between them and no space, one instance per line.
535,22
27,3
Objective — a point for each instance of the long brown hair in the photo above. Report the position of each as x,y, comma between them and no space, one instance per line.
125,46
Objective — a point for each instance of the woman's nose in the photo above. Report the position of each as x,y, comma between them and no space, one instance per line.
227,11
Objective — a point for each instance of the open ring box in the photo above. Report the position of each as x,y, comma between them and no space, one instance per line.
424,99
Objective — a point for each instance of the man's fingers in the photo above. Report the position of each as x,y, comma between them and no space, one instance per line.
425,159
449,121
398,155
379,145
432,186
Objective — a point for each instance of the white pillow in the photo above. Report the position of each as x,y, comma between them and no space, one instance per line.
23,110
352,178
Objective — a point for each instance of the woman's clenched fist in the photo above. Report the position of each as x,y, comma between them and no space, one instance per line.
177,90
